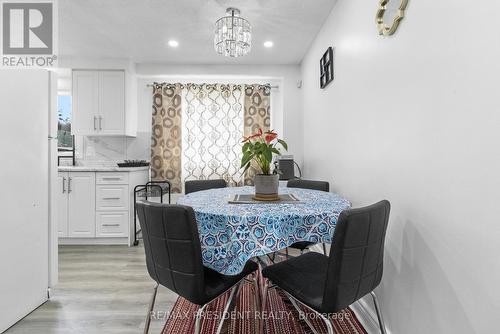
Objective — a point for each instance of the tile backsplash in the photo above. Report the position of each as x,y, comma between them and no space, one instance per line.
104,151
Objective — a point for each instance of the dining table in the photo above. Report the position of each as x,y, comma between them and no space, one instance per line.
231,234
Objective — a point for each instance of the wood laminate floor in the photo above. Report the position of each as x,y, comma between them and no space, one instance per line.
102,289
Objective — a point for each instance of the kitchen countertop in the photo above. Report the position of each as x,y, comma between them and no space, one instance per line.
100,169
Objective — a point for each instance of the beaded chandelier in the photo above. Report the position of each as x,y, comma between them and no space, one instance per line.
233,35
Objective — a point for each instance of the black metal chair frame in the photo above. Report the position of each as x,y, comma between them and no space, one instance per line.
201,185
302,250
148,191
234,286
323,244
295,302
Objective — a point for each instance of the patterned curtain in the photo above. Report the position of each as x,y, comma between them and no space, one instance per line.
213,122
215,117
166,137
257,116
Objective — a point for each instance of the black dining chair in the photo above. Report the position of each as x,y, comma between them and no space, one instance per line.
174,260
313,185
354,268
199,185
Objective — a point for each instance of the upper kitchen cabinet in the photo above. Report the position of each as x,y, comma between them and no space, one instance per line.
85,103
100,105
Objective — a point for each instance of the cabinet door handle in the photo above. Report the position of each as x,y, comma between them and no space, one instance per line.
95,126
100,123
112,178
64,185
111,198
110,224
69,185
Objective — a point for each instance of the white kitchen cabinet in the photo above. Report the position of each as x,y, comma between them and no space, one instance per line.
100,105
97,206
112,197
81,205
85,103
112,224
62,204
76,204
112,178
111,103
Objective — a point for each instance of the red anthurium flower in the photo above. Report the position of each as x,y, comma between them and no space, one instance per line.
256,135
259,148
270,136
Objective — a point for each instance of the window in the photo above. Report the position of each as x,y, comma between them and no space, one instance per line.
64,137
197,130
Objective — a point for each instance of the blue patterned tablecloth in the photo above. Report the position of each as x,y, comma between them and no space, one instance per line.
231,234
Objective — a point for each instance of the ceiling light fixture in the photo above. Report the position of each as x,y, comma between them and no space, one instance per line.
173,43
233,35
268,44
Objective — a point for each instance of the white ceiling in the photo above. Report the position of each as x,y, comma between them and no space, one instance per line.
140,30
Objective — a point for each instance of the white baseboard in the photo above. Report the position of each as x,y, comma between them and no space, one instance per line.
93,241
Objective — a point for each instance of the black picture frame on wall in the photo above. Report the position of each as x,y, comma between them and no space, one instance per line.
326,68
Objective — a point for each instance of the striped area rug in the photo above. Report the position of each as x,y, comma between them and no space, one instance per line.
279,318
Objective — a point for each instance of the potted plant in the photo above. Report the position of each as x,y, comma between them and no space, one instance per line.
260,148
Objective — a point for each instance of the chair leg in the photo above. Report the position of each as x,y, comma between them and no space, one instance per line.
258,298
328,324
234,292
271,259
150,310
294,303
197,324
263,305
379,313
287,255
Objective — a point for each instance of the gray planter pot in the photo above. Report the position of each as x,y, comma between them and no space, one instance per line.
266,185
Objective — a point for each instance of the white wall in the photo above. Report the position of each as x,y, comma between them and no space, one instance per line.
289,75
415,118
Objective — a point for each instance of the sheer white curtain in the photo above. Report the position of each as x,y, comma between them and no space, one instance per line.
212,124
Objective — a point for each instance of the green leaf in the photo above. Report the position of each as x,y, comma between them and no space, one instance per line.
246,168
246,159
245,147
283,143
268,154
275,151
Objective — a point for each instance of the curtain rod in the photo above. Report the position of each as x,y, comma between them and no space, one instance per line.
164,83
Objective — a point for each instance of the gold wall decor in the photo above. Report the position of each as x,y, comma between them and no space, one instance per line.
389,15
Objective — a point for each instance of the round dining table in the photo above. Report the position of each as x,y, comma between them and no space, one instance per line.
231,234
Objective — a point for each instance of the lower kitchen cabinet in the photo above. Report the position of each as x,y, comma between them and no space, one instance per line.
62,204
81,205
112,224
112,197
76,202
96,207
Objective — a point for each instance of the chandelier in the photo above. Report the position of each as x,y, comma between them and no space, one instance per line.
233,35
